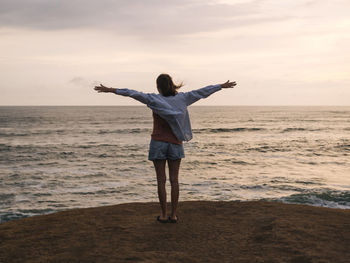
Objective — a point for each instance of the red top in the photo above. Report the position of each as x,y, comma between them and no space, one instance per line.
162,131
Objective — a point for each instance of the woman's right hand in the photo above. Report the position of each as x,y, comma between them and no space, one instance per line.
228,84
102,88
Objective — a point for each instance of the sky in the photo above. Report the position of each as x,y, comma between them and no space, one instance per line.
280,52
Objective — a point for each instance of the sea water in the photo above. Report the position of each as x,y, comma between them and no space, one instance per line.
59,158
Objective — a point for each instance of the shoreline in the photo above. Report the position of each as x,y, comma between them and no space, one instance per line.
207,231
8,218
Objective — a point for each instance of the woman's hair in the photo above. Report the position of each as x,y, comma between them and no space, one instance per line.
166,86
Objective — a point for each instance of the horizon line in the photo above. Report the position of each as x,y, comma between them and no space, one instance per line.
225,105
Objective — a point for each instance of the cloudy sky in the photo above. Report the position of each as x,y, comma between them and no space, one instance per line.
280,52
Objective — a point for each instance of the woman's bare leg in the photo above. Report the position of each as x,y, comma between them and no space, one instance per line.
159,166
174,166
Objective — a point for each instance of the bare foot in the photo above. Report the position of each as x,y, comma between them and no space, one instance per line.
163,217
173,218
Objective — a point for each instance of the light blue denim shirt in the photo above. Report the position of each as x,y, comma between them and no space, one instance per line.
173,109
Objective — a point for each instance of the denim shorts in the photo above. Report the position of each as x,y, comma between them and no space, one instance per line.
165,150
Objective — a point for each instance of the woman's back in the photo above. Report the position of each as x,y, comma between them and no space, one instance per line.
173,109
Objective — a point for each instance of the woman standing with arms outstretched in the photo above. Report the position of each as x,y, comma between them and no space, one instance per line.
171,126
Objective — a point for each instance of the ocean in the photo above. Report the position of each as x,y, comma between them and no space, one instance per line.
58,158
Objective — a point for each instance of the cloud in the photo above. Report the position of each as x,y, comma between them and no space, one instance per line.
81,82
131,17
77,81
164,18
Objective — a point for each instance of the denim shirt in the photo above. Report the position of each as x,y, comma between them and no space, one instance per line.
173,109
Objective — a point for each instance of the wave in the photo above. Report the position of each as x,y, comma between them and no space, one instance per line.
23,213
342,147
73,131
125,131
7,198
293,129
220,130
267,148
31,133
326,198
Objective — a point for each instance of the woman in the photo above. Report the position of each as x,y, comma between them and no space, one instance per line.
171,126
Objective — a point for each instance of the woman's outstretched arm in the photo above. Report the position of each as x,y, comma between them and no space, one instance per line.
195,95
144,98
